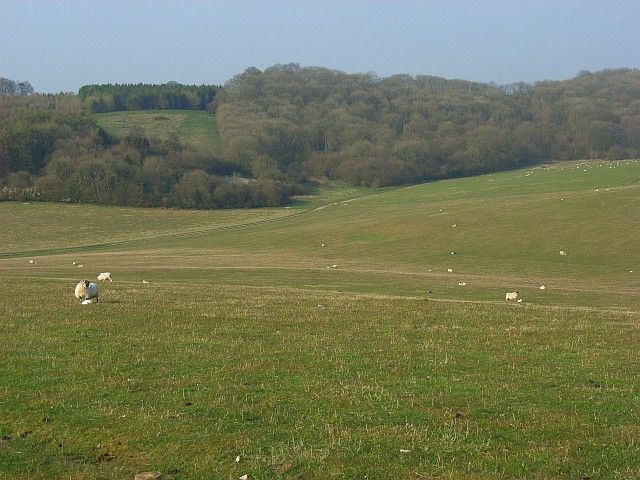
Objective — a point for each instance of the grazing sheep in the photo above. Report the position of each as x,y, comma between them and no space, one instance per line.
105,276
86,290
543,287
462,284
75,264
519,300
450,270
511,296
144,281
32,261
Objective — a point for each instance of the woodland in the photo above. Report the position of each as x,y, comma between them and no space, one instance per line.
285,128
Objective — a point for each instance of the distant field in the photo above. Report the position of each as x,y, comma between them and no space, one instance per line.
195,128
328,340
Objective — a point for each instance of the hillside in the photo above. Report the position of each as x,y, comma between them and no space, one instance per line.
400,129
507,230
192,127
331,341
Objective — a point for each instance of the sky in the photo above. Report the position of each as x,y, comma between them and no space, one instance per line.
60,45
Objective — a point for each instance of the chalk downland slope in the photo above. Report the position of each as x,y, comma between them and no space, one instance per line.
247,341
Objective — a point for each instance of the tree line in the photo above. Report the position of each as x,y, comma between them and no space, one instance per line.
168,96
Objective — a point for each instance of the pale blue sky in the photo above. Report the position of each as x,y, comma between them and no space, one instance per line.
61,45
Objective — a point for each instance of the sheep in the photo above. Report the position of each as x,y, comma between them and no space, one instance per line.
543,287
511,296
86,290
450,270
105,276
563,253
462,284
32,261
144,281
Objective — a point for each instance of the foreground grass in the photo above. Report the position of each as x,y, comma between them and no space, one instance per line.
308,384
196,128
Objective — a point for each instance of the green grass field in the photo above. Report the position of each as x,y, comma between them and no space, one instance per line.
196,128
248,342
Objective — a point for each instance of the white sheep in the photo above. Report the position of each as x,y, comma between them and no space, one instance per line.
511,296
543,287
462,284
103,277
563,253
86,290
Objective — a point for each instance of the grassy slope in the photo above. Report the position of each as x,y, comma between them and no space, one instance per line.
34,228
195,128
244,343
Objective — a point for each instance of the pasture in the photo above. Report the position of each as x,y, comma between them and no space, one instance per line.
248,342
193,127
